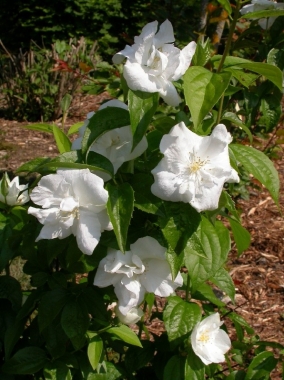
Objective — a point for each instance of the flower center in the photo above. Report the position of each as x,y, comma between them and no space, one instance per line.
204,336
196,163
69,207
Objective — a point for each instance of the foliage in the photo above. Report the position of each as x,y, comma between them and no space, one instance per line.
35,83
64,327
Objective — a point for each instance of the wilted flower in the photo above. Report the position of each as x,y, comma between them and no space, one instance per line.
261,5
116,144
73,202
143,269
208,341
133,316
153,62
12,193
194,168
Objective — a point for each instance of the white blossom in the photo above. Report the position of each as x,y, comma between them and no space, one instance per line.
194,168
208,341
153,62
116,144
143,269
261,5
132,316
12,193
73,202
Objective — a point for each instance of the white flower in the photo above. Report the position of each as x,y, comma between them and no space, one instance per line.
142,269
12,193
194,168
116,144
73,202
261,5
153,62
208,341
133,316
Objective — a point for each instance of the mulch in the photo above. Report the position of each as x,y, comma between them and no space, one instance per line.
258,273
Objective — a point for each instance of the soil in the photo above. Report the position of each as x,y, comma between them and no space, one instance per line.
258,273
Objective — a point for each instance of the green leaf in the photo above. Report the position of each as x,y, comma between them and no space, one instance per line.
206,251
276,57
102,121
144,199
136,358
65,102
57,371
126,334
236,375
62,141
236,318
261,366
34,165
54,164
260,166
6,252
241,236
202,53
202,90
174,368
75,321
120,207
226,5
224,281
142,107
273,73
41,127
271,112
95,349
205,293
180,317
246,79
74,128
26,361
178,225
233,118
194,368
10,289
50,306
264,13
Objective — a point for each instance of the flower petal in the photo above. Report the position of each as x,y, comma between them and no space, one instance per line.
88,232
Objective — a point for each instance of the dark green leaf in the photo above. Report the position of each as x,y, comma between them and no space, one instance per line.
75,321
194,368
261,366
10,289
224,281
241,235
180,317
102,121
50,306
57,371
205,293
26,361
206,251
260,166
264,13
174,368
142,107
120,206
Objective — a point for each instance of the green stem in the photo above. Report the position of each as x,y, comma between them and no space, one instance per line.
230,36
141,324
220,110
187,288
228,363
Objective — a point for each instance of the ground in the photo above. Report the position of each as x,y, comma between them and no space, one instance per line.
258,273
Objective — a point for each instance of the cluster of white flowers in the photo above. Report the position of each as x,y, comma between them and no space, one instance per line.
193,170
261,5
153,62
12,193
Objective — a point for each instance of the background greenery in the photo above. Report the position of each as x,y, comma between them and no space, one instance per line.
112,22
